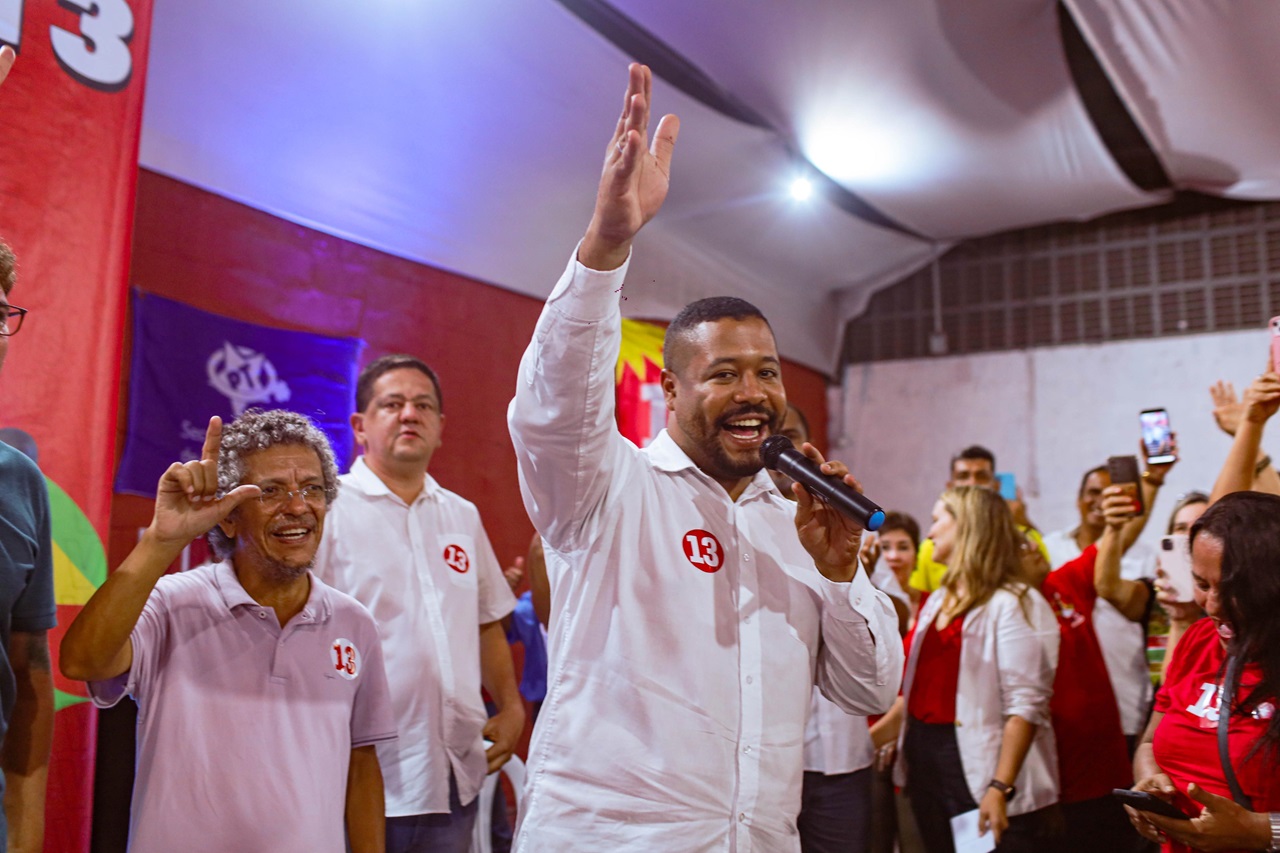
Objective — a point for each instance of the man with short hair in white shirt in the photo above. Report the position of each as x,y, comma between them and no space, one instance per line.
694,607
417,556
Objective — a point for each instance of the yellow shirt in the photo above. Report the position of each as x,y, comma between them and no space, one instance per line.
928,574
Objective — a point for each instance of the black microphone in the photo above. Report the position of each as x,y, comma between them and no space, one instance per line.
781,455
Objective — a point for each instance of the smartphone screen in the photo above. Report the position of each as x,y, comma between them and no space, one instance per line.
1157,438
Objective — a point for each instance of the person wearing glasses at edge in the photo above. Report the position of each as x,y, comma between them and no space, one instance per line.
261,691
27,612
1232,800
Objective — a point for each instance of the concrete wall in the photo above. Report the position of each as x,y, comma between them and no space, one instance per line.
1048,414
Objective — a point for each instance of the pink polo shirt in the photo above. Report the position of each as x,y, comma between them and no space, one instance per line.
245,729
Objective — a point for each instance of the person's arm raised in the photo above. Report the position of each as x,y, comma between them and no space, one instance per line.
97,645
1129,597
1260,402
635,178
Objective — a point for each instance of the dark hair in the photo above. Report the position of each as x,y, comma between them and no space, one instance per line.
1248,526
1101,469
257,430
704,311
974,451
1186,500
374,369
8,268
895,520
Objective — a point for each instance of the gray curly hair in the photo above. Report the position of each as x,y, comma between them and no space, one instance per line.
257,430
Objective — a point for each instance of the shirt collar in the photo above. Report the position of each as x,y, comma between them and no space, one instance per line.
317,609
366,481
667,456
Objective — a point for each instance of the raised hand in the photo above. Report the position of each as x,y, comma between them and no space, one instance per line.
187,502
7,56
830,537
1261,398
1226,406
635,179
514,573
869,553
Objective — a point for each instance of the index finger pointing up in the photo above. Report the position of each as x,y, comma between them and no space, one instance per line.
212,440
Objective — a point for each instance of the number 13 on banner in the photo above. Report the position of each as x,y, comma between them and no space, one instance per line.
98,55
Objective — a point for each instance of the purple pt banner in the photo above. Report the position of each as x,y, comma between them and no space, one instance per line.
189,365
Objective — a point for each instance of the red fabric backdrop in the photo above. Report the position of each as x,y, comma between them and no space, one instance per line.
72,111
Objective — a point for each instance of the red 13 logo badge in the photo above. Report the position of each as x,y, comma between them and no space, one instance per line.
344,657
456,558
703,550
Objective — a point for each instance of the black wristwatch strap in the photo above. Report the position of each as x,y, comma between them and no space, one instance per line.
1007,790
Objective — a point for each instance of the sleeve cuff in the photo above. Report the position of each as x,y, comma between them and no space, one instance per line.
586,294
852,601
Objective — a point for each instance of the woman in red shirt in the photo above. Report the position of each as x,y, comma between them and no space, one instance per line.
1235,557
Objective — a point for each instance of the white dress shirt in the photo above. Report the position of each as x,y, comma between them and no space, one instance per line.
1124,642
1008,660
688,629
428,574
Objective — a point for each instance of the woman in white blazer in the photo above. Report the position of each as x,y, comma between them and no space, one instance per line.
979,677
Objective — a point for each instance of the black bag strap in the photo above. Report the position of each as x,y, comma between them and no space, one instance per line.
1225,701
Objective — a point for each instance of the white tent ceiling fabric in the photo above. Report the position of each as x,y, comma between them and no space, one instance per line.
1202,79
468,135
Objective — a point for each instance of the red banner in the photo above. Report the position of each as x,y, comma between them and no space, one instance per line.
72,109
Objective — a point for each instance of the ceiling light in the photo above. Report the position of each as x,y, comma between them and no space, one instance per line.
801,189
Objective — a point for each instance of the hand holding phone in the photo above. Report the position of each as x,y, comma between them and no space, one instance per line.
1124,473
1008,485
1145,802
1174,560
1275,344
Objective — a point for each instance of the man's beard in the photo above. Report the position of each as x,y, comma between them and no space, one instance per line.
281,573
728,467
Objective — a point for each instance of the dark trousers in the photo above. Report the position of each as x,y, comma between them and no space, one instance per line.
435,833
1100,826
939,792
835,813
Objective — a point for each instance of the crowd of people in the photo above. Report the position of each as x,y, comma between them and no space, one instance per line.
719,660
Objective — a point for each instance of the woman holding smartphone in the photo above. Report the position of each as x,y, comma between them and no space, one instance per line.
1232,794
979,678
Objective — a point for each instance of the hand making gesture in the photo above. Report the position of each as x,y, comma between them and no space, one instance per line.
187,502
830,537
635,179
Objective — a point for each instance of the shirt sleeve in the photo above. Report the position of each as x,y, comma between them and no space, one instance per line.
562,417
1027,657
1188,647
371,718
861,655
495,596
148,638
35,609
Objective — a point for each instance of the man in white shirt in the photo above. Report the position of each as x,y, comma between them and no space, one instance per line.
694,608
1123,637
417,556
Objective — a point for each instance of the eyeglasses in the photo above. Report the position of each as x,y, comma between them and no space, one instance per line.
11,319
274,497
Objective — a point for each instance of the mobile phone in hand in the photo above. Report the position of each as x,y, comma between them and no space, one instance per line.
1275,344
1124,472
1175,561
1157,437
1008,485
1145,802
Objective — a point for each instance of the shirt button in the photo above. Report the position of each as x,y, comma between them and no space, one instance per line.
857,602
750,680
742,817
262,614
746,750
746,558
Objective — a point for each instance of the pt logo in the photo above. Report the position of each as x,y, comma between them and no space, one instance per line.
455,557
703,550
345,658
245,377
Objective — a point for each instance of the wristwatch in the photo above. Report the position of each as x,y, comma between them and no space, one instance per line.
1010,790
1275,832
